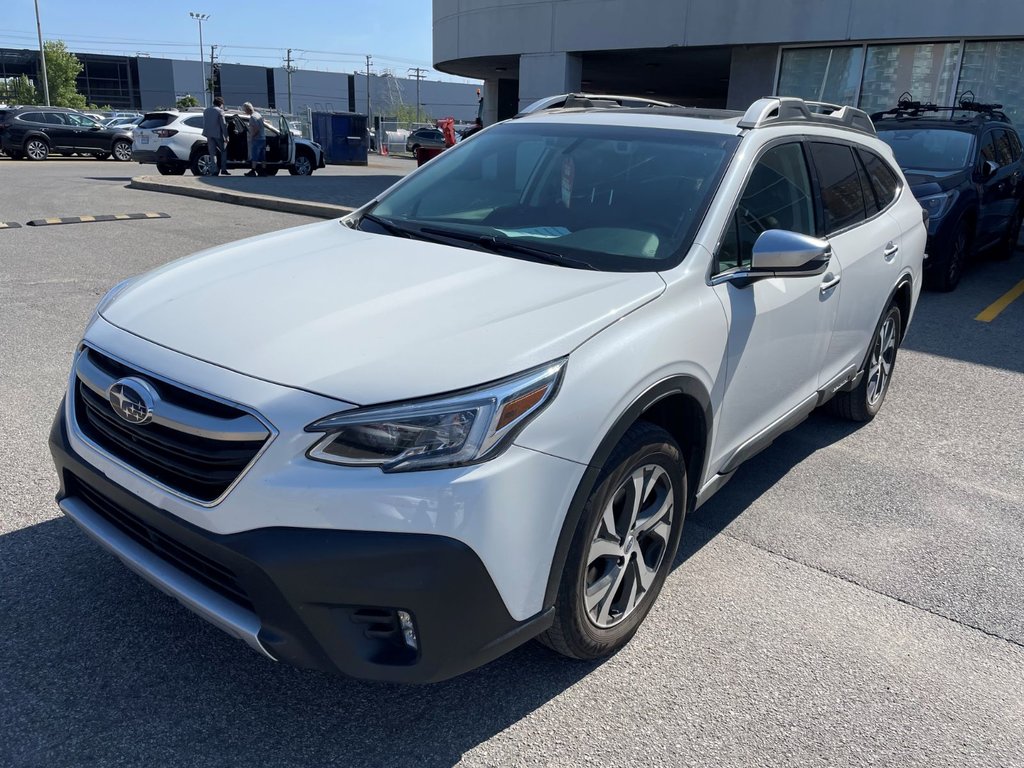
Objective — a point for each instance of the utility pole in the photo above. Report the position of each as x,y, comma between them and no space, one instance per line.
418,73
201,17
213,77
289,69
370,120
42,57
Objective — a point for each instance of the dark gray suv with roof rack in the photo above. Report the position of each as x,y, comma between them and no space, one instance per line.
36,132
963,163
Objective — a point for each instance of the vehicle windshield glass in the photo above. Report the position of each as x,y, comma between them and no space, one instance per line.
930,149
614,197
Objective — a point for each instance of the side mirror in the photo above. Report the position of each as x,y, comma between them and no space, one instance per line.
988,169
780,253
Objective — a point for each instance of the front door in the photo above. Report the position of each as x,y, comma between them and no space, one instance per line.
998,191
88,134
779,328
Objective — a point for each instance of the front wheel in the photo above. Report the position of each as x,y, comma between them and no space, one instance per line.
303,165
865,401
623,547
122,151
946,275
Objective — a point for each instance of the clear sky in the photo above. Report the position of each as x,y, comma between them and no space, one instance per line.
324,35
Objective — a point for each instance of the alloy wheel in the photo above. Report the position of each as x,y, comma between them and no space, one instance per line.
629,546
36,150
883,356
957,257
207,167
303,166
123,151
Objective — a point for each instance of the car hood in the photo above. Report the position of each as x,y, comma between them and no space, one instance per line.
370,318
925,184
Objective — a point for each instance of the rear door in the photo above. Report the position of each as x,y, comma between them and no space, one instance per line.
865,240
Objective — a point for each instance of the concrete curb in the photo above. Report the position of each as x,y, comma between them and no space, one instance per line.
267,202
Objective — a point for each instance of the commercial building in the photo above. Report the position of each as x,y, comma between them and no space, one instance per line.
144,82
727,53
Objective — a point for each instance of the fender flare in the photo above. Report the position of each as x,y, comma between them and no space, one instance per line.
673,385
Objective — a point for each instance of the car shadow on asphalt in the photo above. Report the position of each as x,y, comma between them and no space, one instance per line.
757,475
350,191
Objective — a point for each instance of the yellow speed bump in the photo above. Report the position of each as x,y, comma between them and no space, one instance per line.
9,225
991,312
101,217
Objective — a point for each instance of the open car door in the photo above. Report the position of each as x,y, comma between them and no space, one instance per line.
287,141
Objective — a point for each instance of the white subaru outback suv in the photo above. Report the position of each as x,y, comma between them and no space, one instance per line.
478,409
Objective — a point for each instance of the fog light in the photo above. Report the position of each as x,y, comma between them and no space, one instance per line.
408,630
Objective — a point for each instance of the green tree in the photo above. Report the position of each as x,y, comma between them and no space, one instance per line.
18,90
186,101
406,113
62,68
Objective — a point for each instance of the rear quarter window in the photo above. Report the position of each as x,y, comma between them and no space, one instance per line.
884,182
194,122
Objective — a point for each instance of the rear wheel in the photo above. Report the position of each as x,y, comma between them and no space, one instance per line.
303,165
36,149
202,164
122,151
865,401
623,547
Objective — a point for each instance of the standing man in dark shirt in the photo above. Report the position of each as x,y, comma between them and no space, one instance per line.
215,129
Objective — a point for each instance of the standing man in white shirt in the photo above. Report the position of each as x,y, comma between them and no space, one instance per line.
257,139
215,129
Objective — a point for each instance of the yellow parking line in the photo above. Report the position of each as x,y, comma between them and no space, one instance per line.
991,312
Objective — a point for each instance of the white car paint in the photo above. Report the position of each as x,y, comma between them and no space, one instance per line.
304,323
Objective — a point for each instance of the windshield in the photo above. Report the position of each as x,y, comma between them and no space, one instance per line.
930,149
616,198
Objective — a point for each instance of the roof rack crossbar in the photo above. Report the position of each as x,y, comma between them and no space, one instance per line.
785,109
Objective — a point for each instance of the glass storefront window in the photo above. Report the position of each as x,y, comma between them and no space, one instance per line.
994,72
822,74
927,71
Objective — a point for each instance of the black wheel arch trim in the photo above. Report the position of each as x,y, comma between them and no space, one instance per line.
674,385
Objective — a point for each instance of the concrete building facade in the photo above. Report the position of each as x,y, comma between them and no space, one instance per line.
727,53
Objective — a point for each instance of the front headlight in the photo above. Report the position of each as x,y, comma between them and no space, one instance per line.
443,432
938,205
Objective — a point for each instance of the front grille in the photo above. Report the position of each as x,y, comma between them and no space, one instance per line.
213,575
186,453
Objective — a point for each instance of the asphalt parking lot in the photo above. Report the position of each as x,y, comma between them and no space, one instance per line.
854,597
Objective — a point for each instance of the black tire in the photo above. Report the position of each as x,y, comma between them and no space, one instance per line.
17,154
201,165
170,169
122,151
415,147
36,149
864,402
304,165
946,275
267,171
575,633
1008,246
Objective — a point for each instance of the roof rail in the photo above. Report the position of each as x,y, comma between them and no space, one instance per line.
787,109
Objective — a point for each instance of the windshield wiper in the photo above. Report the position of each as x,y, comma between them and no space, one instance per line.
507,245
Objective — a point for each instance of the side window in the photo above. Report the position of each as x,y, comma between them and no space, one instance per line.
1004,154
1015,147
54,118
883,181
777,196
988,148
871,206
194,122
32,117
841,193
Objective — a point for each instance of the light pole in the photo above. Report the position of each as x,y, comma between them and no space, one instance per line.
201,17
42,57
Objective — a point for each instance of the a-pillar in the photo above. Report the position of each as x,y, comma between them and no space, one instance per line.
548,74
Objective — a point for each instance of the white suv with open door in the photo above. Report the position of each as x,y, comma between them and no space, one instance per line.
174,141
478,409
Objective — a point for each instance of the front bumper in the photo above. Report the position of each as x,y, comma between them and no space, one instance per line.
314,598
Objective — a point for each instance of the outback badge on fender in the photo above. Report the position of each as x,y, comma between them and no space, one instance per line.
132,399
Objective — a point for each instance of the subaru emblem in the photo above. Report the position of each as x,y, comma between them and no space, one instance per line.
132,399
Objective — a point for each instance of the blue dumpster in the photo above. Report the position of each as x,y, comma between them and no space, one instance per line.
342,135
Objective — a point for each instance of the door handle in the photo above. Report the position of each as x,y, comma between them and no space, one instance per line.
890,251
831,281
